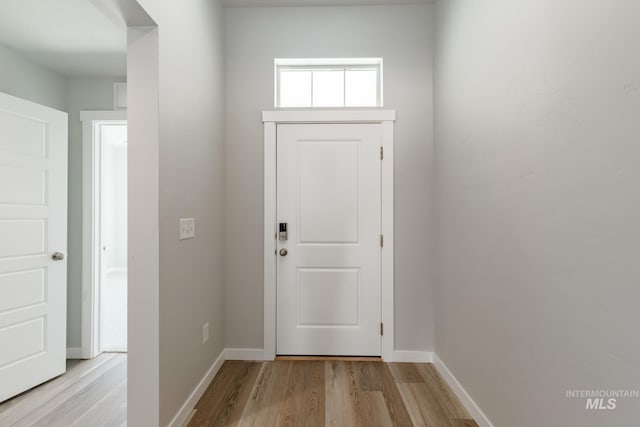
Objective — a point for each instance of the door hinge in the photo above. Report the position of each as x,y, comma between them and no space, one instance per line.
381,241
381,153
381,328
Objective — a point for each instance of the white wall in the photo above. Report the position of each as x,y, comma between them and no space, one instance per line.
143,240
402,35
191,175
25,79
537,153
82,93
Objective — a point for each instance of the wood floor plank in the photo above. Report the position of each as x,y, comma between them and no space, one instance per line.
363,402
447,399
361,386
109,411
78,404
392,398
368,376
405,373
339,408
304,396
265,401
464,423
42,401
380,411
225,398
12,410
422,406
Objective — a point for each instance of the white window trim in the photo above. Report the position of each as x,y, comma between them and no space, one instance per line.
271,119
327,63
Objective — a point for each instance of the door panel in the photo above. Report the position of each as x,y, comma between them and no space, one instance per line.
316,291
21,289
26,135
32,179
33,225
328,191
329,283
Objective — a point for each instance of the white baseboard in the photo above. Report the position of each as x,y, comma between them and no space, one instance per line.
413,356
244,354
74,353
187,408
467,401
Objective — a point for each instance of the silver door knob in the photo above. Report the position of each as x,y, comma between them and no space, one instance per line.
283,252
57,256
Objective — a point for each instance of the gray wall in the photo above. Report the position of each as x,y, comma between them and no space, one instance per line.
25,79
402,35
191,185
91,93
537,153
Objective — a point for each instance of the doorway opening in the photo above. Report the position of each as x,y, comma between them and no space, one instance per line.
105,214
111,137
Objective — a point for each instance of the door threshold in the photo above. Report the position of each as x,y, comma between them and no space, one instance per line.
330,358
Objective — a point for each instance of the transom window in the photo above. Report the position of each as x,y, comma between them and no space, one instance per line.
321,82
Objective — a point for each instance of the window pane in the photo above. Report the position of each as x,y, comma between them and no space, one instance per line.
328,88
295,88
361,88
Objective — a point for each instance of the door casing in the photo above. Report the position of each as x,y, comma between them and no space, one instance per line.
271,119
90,342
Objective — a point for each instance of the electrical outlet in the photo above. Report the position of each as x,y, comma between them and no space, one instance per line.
187,228
205,333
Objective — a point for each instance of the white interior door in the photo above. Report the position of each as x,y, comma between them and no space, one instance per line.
329,280
33,227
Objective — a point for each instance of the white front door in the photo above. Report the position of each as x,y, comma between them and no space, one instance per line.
33,227
329,268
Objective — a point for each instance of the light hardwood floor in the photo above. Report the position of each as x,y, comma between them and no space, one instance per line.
329,393
92,393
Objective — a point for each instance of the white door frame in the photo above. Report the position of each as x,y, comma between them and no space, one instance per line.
271,119
91,157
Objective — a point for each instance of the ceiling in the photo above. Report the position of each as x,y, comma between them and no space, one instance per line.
71,37
88,37
247,3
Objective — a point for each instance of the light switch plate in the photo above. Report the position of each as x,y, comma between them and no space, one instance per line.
187,228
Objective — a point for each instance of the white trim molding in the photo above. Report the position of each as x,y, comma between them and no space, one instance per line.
345,115
411,356
90,227
470,405
187,408
271,119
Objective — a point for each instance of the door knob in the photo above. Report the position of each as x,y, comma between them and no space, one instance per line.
283,252
57,256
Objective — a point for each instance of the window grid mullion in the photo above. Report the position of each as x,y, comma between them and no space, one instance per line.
313,68
344,87
312,73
